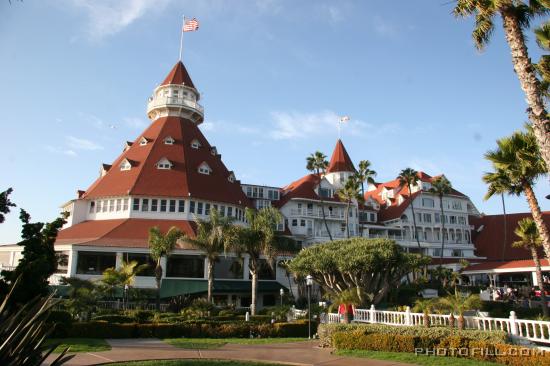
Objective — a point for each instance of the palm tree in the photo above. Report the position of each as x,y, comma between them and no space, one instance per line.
364,174
542,34
458,304
349,193
162,245
516,166
529,239
440,187
407,178
317,163
425,306
213,239
516,17
259,240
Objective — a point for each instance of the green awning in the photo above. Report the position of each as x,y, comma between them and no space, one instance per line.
175,287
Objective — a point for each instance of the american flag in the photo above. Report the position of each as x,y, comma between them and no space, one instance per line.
191,25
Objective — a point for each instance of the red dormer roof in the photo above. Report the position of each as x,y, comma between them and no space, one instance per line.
303,188
179,75
182,180
340,160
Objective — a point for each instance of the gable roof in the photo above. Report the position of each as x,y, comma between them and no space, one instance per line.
340,160
183,180
178,75
303,188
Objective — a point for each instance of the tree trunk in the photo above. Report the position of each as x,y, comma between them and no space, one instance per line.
529,83
538,271
461,322
210,280
158,278
505,241
359,216
452,320
254,292
442,230
426,319
323,206
537,217
414,221
347,219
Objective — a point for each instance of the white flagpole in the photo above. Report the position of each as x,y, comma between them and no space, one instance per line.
339,128
181,38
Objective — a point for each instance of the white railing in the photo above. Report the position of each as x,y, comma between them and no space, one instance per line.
161,100
119,305
317,213
532,330
295,314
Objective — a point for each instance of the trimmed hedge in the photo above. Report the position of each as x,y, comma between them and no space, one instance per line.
191,329
114,318
326,331
374,341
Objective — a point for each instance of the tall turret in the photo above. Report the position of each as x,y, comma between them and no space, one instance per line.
176,96
340,167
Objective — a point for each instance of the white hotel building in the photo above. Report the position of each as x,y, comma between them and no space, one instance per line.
170,174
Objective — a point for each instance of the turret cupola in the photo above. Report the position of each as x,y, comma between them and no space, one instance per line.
176,97
340,167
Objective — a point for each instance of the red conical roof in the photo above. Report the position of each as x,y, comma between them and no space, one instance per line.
340,160
179,75
182,180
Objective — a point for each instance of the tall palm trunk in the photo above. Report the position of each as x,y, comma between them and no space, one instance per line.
158,279
210,279
537,217
538,272
414,221
323,207
347,218
254,274
442,229
359,218
529,82
504,242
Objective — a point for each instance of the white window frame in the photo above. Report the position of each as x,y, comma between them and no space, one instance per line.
168,140
125,165
195,144
205,169
164,164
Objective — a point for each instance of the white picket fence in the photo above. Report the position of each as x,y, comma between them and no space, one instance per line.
532,330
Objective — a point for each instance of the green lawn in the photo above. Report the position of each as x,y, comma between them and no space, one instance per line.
411,358
80,344
210,343
203,362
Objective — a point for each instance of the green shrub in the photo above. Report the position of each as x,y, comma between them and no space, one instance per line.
374,341
325,332
114,318
141,316
61,319
296,329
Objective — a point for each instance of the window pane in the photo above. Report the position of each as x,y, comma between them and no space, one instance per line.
230,268
94,262
181,206
172,205
135,207
141,259
199,208
154,205
265,272
162,205
192,206
145,204
185,266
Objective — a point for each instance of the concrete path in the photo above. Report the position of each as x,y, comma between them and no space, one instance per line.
294,353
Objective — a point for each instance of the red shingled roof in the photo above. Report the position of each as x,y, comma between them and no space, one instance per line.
489,242
179,75
183,180
340,160
302,188
132,233
506,265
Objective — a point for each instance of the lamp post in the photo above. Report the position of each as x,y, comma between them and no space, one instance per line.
309,283
282,293
125,296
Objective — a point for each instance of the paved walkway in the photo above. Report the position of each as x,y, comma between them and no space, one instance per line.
295,353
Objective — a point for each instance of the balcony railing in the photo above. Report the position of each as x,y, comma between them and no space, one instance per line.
317,213
174,101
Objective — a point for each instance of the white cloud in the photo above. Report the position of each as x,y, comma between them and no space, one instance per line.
82,144
383,27
134,122
57,150
109,17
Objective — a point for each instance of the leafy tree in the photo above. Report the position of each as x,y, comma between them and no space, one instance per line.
424,306
162,245
39,260
407,178
529,239
260,240
114,278
82,296
458,303
317,163
5,204
516,166
440,187
542,34
213,237
364,174
370,266
349,193
516,16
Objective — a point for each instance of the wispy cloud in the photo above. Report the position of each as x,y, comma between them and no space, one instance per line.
82,144
109,17
57,150
134,123
383,27
228,127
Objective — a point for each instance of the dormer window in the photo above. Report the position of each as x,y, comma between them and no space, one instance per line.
195,144
231,177
169,140
205,169
213,150
127,145
143,141
125,165
164,164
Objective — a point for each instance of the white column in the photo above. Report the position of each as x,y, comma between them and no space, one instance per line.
119,260
513,318
534,276
73,261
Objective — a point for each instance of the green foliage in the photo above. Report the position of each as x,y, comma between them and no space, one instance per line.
114,318
373,266
83,296
325,332
375,341
24,330
38,263
458,303
5,204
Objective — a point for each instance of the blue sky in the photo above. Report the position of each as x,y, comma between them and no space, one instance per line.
274,75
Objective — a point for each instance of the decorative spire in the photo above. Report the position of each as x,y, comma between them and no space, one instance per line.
340,160
179,75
